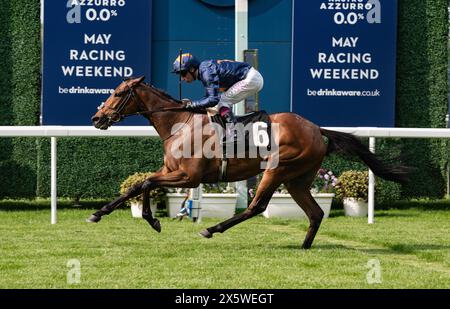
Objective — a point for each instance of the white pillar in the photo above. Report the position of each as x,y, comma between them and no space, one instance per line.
371,213
241,40
53,180
241,28
447,121
196,197
241,44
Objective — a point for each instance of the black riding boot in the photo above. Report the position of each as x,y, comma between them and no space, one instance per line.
231,135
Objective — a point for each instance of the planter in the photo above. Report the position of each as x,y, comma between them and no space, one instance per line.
355,207
213,205
136,209
284,206
174,202
218,205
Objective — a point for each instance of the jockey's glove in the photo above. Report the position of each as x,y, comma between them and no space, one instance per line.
188,104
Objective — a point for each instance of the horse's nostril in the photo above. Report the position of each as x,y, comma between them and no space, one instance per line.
95,119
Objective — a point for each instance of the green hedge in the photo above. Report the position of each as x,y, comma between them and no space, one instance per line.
20,94
95,167
422,90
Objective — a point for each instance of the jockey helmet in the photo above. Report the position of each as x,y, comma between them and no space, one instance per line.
187,62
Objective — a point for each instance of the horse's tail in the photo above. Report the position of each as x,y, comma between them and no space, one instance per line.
348,144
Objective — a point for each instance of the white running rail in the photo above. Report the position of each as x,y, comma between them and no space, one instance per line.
145,131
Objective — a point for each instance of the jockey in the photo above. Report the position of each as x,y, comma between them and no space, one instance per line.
237,80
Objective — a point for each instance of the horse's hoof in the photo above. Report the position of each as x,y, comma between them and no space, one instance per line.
156,225
306,247
93,219
205,234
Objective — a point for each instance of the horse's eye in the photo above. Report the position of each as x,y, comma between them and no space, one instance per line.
118,94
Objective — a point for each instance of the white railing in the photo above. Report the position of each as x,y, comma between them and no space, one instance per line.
60,131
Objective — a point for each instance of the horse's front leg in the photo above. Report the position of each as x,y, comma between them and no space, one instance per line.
146,211
174,179
109,208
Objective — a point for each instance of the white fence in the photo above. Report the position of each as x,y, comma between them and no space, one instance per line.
59,131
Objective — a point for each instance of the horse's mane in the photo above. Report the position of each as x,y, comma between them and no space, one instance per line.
161,93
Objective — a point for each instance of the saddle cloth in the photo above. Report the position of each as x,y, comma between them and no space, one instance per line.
253,123
257,128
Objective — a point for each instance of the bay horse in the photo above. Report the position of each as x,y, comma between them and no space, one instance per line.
301,150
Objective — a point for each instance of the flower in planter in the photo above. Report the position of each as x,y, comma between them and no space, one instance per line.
156,194
325,182
353,184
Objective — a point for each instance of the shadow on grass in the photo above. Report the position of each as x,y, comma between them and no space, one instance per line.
44,205
336,213
340,213
33,205
318,246
395,215
417,204
382,210
406,249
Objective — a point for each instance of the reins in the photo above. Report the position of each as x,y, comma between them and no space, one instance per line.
117,115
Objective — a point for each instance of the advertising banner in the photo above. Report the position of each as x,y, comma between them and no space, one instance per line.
344,62
89,47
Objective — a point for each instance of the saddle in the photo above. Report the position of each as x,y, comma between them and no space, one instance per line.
258,120
254,131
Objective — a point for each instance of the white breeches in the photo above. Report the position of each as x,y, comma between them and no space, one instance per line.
252,83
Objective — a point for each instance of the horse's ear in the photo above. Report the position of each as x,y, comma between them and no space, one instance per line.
137,81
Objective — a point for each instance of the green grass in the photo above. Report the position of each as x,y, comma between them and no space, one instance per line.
412,246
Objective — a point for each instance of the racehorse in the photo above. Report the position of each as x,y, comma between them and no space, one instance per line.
301,150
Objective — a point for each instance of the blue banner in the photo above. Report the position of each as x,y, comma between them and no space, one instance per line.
89,47
344,61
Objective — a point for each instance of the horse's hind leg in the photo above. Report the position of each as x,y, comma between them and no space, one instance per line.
259,203
300,192
109,208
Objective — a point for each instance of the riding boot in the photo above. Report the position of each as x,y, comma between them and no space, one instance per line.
231,135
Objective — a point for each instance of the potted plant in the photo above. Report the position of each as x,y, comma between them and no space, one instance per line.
282,205
323,189
156,195
352,188
218,200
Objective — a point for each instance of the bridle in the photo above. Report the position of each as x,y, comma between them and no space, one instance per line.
117,115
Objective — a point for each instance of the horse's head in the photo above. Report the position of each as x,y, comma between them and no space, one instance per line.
124,101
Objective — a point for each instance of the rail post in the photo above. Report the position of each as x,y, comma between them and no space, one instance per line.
371,206
54,194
